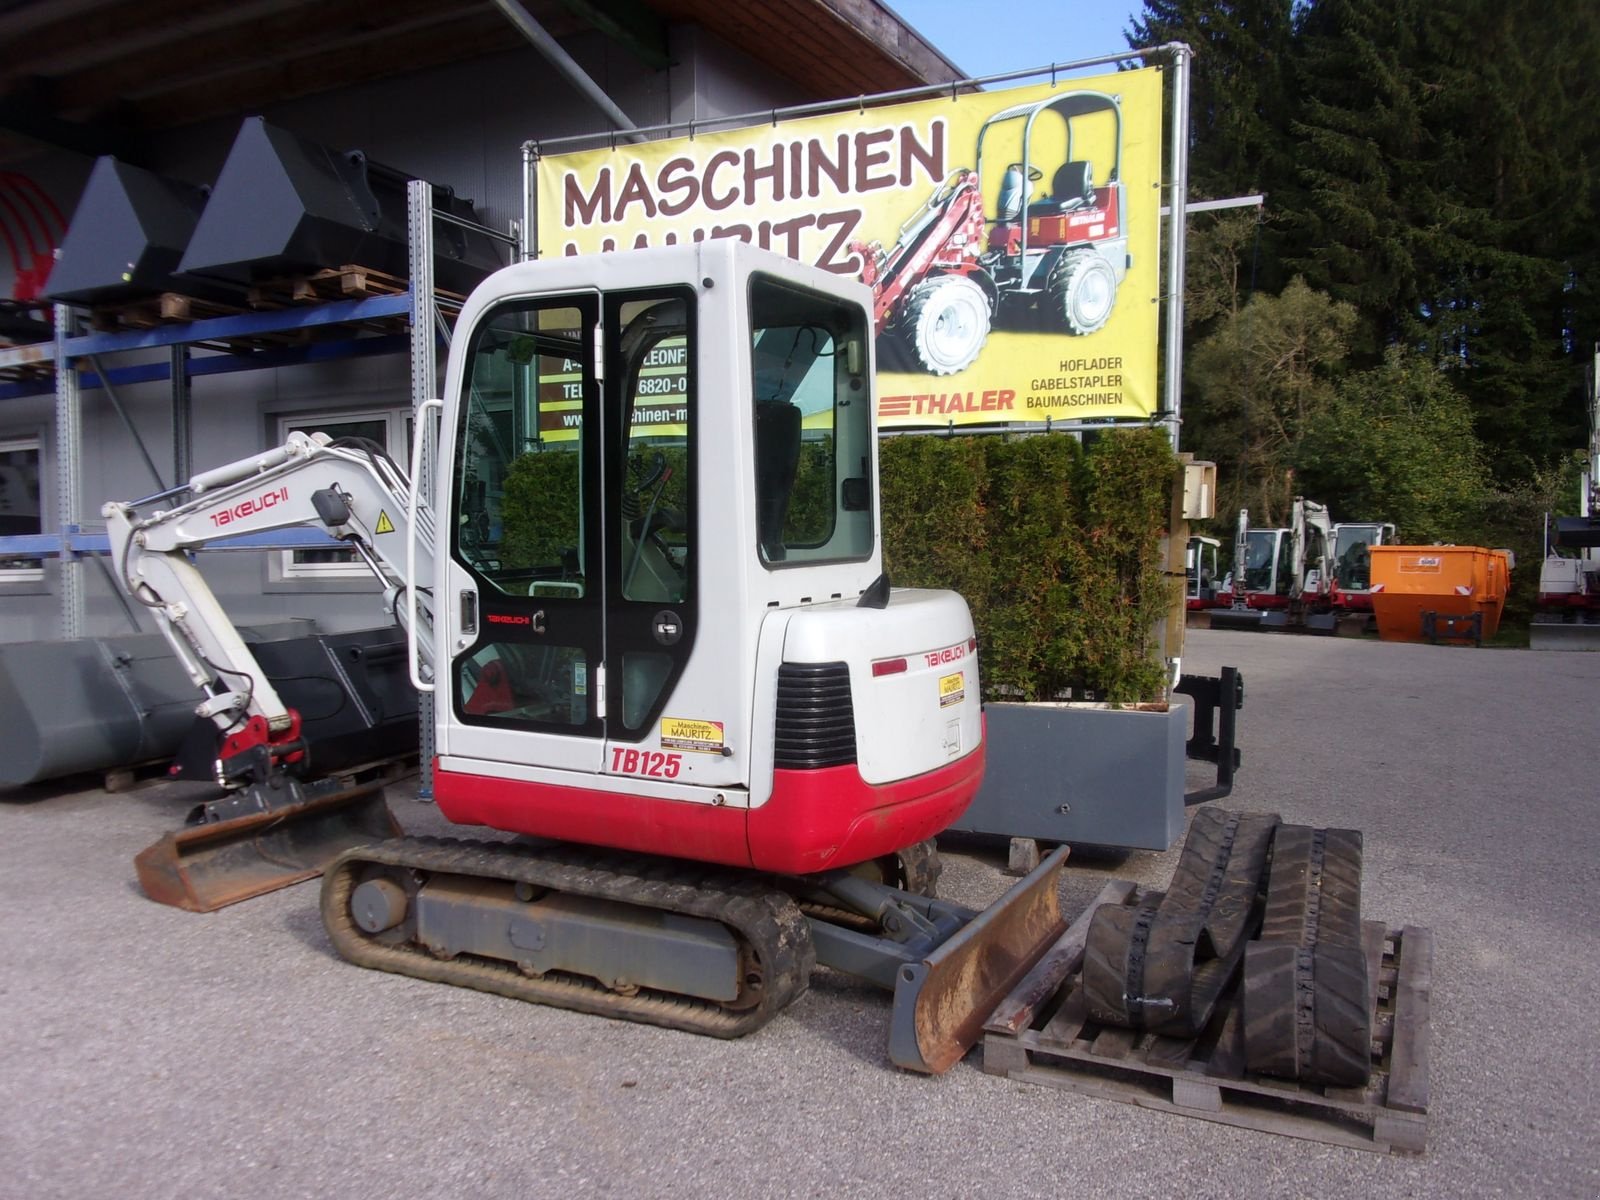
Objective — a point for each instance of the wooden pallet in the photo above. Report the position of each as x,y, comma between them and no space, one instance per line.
1042,1034
169,308
352,282
28,372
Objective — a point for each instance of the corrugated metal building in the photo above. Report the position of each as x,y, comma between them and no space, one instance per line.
447,90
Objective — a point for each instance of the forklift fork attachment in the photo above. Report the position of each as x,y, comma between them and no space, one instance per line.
206,867
941,1003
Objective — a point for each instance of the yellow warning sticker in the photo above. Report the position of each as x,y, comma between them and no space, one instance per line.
952,689
384,524
702,737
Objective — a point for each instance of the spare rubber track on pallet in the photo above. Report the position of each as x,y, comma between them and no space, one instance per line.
1162,965
1307,1011
774,938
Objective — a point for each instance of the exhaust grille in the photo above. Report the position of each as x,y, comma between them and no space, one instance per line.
816,725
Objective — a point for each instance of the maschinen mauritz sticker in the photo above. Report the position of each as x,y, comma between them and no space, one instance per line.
680,733
952,689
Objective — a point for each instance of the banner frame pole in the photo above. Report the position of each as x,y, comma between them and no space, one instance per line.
1176,248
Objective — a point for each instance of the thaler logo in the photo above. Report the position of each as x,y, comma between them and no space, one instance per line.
950,654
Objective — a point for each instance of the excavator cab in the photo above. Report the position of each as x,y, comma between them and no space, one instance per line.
660,608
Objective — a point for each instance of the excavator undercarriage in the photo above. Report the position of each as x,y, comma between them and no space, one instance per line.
667,942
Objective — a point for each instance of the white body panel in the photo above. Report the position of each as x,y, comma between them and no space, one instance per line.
906,725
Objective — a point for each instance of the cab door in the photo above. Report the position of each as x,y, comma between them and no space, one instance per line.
526,586
571,612
651,529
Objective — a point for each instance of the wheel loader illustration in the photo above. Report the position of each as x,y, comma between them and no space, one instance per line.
1065,251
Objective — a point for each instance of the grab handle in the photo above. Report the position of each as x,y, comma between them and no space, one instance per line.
413,664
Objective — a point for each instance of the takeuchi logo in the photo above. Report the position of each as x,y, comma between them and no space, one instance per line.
249,508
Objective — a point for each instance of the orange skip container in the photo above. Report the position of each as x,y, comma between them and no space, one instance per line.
1439,593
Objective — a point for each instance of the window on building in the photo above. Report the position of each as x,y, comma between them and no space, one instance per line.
21,507
389,428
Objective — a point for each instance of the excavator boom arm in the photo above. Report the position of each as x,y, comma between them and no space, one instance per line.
351,489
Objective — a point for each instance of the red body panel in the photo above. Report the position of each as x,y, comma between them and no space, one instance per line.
1265,600
815,820
1568,600
1352,601
1073,228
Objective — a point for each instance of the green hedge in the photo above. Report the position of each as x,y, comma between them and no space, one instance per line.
1056,547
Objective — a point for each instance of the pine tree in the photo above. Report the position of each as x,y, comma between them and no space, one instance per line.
1364,164
1238,89
1447,194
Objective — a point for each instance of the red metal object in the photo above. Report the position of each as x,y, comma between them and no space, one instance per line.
828,818
284,747
1261,600
1348,601
31,276
951,243
1098,222
815,820
1569,600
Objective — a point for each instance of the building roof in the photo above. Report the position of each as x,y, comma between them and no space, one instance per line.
95,76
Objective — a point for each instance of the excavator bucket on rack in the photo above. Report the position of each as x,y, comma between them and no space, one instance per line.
942,1002
208,866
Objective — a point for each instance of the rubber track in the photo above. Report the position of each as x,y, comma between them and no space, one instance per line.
1307,1013
1162,965
767,923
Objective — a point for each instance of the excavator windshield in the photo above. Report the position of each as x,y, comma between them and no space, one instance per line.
1261,556
1352,558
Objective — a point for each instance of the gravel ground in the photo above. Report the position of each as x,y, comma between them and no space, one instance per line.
151,1052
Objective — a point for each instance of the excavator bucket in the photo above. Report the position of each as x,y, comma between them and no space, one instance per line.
206,867
941,1003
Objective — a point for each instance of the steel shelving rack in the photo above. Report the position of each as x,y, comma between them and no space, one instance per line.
69,351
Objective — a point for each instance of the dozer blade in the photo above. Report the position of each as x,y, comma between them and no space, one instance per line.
207,867
941,1003
1235,618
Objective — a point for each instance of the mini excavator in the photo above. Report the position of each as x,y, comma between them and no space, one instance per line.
637,561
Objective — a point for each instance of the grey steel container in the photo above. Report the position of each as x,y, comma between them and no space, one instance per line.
127,237
94,704
286,206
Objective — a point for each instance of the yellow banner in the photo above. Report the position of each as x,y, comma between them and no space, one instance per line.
1010,237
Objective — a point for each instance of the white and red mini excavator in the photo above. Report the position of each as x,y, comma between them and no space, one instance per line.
642,577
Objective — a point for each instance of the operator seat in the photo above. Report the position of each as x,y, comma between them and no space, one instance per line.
1072,187
1013,194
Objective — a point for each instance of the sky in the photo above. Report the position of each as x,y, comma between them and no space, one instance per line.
1013,35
